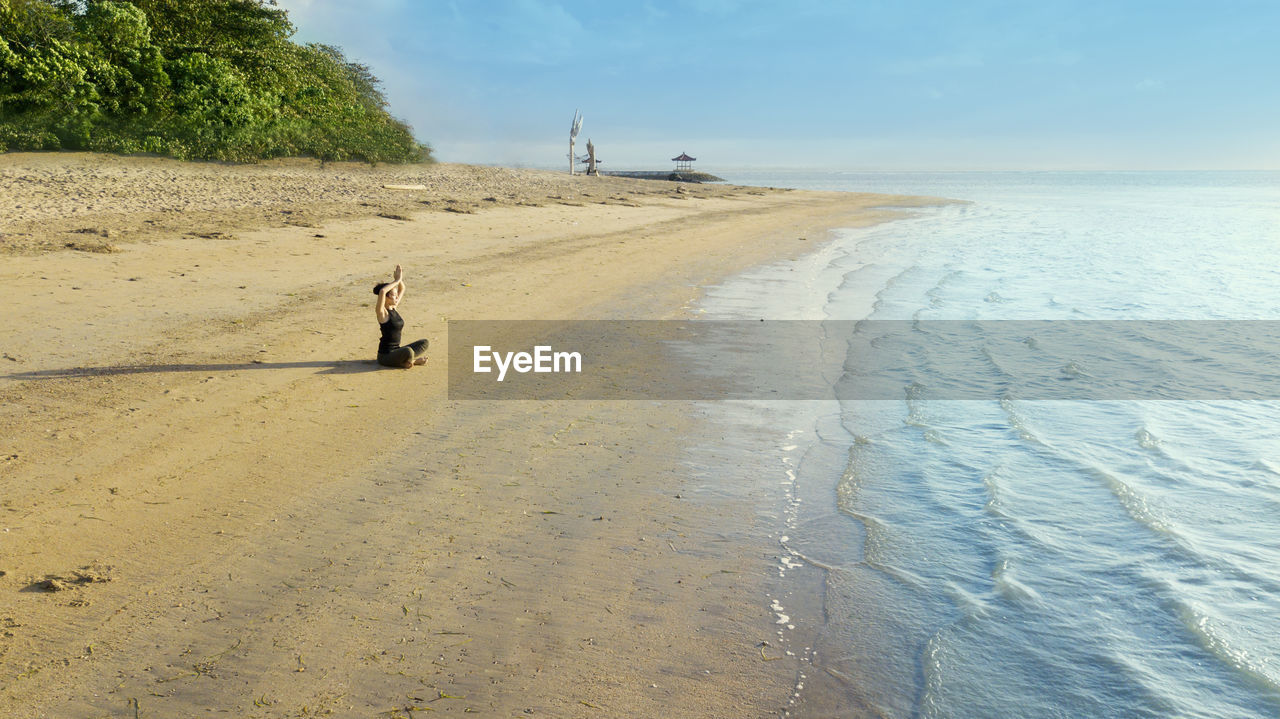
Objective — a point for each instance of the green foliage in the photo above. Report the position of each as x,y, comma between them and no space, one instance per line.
193,79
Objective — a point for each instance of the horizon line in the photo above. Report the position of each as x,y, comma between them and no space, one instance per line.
870,170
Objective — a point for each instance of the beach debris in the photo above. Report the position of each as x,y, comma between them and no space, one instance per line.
104,248
91,574
460,210
53,584
404,187
99,231
212,235
391,216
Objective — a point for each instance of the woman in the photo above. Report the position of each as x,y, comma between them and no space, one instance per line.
390,353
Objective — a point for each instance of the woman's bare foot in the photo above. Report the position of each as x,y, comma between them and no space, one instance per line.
408,364
420,360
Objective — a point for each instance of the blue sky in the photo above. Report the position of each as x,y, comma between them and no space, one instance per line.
860,85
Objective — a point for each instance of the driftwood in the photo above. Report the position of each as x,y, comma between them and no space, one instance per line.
591,159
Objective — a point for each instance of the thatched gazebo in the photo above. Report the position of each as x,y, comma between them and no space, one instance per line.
684,162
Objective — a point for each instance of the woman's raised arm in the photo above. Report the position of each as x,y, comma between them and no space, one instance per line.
380,305
399,277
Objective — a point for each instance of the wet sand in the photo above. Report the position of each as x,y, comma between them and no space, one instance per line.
214,500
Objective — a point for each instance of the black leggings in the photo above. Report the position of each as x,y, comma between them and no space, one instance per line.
406,353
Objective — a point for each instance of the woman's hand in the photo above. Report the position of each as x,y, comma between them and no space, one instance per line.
398,280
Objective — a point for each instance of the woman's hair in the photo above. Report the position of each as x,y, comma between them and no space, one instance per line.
377,289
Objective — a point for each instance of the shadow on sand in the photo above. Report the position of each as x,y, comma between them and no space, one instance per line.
326,367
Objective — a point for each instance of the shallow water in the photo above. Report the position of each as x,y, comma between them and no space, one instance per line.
1025,558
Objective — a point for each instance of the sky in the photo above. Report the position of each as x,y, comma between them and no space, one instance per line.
832,85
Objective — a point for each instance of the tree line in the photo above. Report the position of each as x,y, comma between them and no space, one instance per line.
191,79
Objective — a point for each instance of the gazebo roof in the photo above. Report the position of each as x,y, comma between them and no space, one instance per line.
684,157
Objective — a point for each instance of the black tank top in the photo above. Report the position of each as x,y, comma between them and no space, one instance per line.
390,332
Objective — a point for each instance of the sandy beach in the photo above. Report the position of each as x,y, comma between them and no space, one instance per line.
212,499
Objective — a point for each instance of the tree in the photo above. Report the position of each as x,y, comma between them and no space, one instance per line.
216,79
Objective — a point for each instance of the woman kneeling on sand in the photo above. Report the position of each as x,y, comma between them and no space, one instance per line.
390,353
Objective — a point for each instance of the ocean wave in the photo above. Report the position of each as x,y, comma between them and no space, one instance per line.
1007,585
970,604
993,505
1073,370
994,357
1214,635
876,545
1146,440
1017,422
884,297
1135,504
1267,466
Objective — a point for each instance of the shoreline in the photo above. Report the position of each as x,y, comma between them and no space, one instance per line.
199,423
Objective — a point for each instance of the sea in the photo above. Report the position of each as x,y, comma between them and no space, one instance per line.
1024,557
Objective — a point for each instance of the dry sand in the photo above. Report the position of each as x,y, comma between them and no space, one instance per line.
212,500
